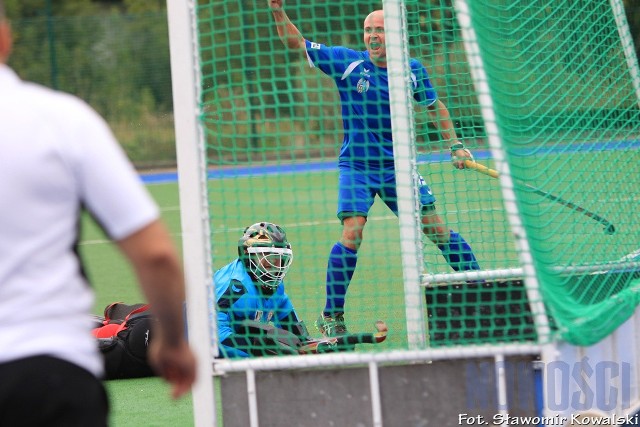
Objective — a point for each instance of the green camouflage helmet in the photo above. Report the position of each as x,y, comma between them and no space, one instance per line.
266,253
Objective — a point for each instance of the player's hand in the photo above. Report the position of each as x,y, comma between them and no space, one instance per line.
275,4
176,364
459,154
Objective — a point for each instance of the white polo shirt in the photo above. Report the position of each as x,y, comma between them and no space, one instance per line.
56,156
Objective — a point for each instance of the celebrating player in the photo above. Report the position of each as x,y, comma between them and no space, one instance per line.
366,163
251,289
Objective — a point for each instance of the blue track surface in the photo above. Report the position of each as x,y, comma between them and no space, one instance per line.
228,172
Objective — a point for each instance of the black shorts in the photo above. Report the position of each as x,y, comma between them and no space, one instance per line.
46,391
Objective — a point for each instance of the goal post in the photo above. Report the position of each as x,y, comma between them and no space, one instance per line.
195,228
403,125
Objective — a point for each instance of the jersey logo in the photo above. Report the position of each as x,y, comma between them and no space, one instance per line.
363,85
315,45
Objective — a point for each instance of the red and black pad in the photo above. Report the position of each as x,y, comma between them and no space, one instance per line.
124,339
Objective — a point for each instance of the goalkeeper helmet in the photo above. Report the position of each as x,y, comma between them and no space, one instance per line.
266,253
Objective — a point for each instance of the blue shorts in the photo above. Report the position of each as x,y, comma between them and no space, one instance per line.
357,190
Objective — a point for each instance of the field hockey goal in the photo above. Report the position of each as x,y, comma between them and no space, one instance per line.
545,94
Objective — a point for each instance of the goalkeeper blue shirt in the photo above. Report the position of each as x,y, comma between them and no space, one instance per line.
364,95
239,299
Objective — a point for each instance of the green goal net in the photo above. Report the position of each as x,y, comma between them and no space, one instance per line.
565,86
546,93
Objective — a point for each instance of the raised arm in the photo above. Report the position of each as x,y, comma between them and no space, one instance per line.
439,114
289,33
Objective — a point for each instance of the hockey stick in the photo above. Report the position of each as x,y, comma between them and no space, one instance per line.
345,342
609,228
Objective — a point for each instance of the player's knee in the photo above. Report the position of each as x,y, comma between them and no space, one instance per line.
352,230
352,240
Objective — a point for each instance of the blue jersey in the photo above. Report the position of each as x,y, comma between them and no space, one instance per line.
238,299
364,95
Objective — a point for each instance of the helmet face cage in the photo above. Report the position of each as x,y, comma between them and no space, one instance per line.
266,253
269,265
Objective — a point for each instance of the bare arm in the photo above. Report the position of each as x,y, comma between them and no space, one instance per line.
155,261
289,33
439,114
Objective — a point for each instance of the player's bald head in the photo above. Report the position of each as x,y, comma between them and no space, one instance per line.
376,14
374,38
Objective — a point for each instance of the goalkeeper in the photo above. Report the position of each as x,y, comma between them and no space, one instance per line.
250,290
366,162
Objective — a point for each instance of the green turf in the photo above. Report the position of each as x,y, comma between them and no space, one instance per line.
305,205
146,402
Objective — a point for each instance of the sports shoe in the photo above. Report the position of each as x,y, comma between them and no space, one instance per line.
331,326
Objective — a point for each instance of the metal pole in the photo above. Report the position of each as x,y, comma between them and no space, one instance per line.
52,46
